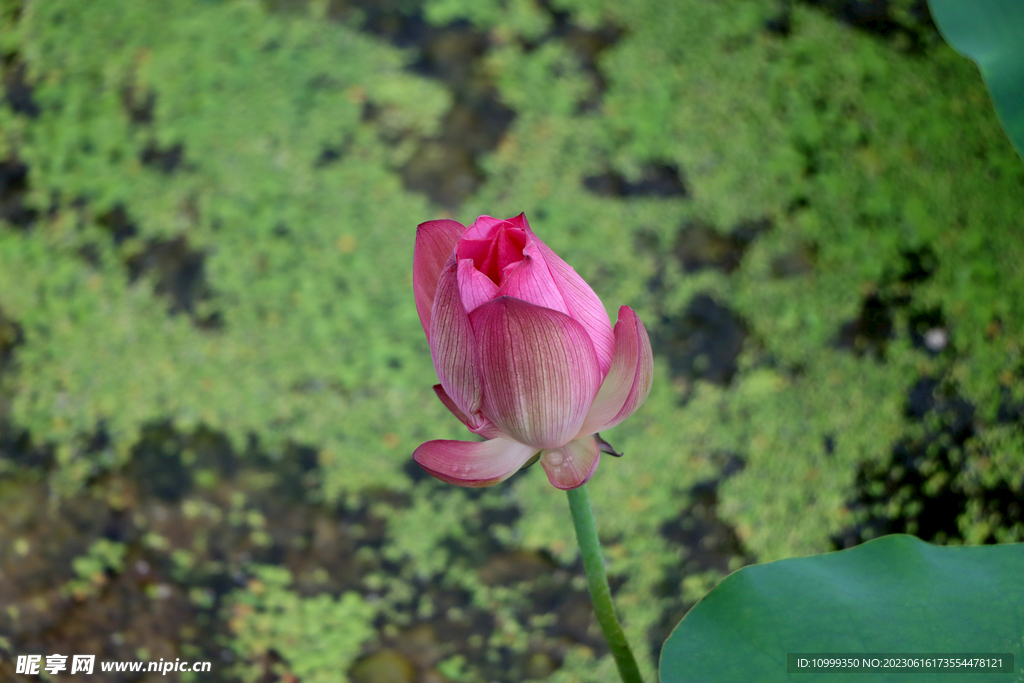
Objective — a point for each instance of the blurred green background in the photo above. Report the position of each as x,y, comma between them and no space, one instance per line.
212,375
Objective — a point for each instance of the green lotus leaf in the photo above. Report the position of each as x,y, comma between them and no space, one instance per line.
896,595
990,32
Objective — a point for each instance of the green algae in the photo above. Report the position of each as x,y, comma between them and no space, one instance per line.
316,637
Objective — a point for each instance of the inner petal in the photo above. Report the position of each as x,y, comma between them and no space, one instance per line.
501,247
509,248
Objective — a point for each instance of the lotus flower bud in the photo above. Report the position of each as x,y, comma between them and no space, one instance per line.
525,352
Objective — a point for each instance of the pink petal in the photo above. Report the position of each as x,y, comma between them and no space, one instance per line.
520,222
538,369
573,464
483,228
582,304
435,242
473,463
531,281
628,382
479,425
475,288
452,344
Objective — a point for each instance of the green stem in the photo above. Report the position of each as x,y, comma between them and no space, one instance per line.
600,593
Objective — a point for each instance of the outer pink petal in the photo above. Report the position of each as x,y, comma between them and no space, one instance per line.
479,425
573,464
538,369
475,288
582,303
628,381
530,280
452,344
473,463
435,242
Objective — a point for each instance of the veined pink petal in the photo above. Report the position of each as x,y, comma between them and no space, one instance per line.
475,288
531,281
582,304
473,463
538,371
573,464
478,425
435,242
629,379
453,345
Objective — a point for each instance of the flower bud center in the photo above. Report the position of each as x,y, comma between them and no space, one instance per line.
494,250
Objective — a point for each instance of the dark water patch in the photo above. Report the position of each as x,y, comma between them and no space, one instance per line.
13,190
445,167
456,626
899,495
647,244
443,172
930,478
166,461
505,568
139,105
875,325
698,245
479,544
17,451
176,270
703,341
177,273
1011,405
167,160
573,610
869,333
413,653
587,44
796,262
704,543
797,204
158,466
918,265
11,337
18,93
118,223
460,628
810,152
781,23
909,27
331,154
662,180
